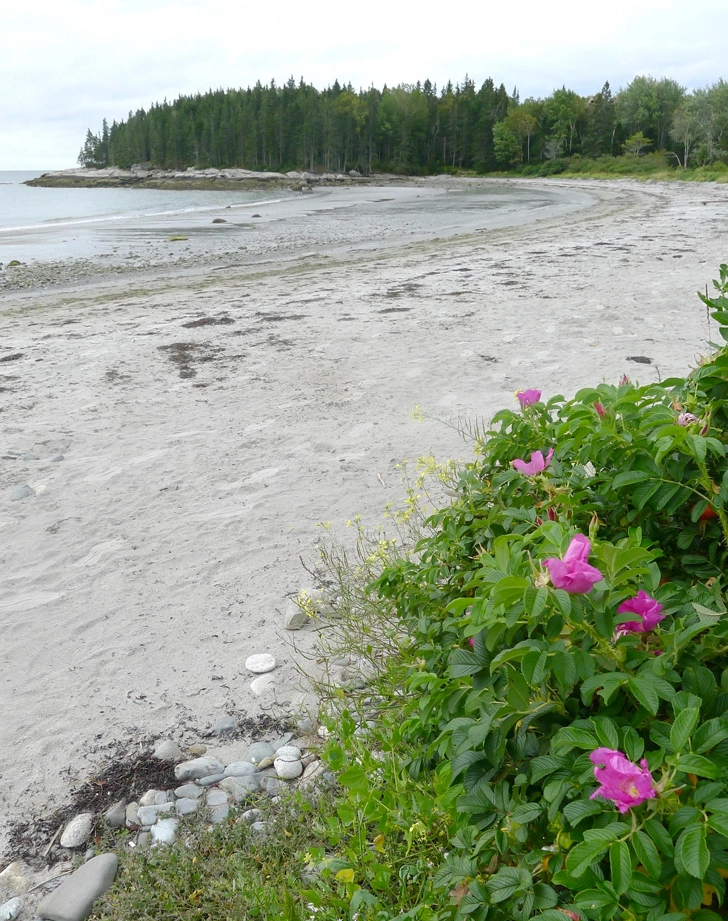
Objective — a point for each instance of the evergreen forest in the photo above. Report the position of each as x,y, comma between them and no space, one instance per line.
416,129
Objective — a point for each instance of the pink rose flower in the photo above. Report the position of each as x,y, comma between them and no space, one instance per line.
624,380
601,411
573,573
686,419
647,609
528,397
622,781
537,464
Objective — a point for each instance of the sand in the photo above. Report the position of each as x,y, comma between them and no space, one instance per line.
199,461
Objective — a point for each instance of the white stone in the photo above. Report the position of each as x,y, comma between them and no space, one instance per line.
12,878
10,910
260,664
288,770
288,753
260,685
165,831
78,830
168,751
323,733
295,618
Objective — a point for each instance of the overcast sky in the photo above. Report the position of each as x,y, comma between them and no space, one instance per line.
64,66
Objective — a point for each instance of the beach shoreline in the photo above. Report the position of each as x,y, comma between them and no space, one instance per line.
212,408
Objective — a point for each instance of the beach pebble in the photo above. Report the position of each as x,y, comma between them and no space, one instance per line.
148,815
132,815
295,618
186,806
189,790
216,797
198,767
13,879
266,762
305,724
168,751
10,910
78,830
165,831
197,749
115,816
57,458
258,751
229,724
288,753
241,769
20,492
164,796
287,770
211,780
260,664
252,815
283,740
73,899
312,771
260,685
260,828
219,813
149,798
240,788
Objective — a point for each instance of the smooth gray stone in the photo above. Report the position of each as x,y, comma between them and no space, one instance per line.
115,816
78,830
189,790
10,910
144,839
258,751
229,724
149,798
198,767
219,813
165,831
284,740
240,788
167,751
211,780
20,492
252,815
186,806
132,814
57,458
241,769
73,899
148,815
259,828
163,796
305,724
30,456
216,798
271,785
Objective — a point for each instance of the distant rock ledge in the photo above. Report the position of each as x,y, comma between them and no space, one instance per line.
191,178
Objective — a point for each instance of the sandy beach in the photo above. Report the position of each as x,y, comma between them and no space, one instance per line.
214,403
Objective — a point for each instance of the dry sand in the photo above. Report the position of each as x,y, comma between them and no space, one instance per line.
198,461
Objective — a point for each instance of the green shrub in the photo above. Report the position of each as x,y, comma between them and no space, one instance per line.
507,685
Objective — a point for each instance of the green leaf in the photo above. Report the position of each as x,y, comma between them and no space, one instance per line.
583,855
620,866
629,478
572,737
593,899
647,855
509,590
355,778
463,663
504,884
535,600
692,850
645,693
698,447
710,734
698,764
581,809
719,823
528,812
519,694
606,732
682,728
564,668
533,666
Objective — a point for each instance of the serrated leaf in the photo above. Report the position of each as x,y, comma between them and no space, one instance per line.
564,668
710,734
527,812
503,884
692,850
629,478
647,854
719,822
606,732
682,728
698,764
463,663
581,809
645,693
583,855
620,866
533,666
572,737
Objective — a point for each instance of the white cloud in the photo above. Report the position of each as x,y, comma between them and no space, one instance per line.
63,67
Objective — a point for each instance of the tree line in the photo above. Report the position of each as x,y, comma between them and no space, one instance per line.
416,129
